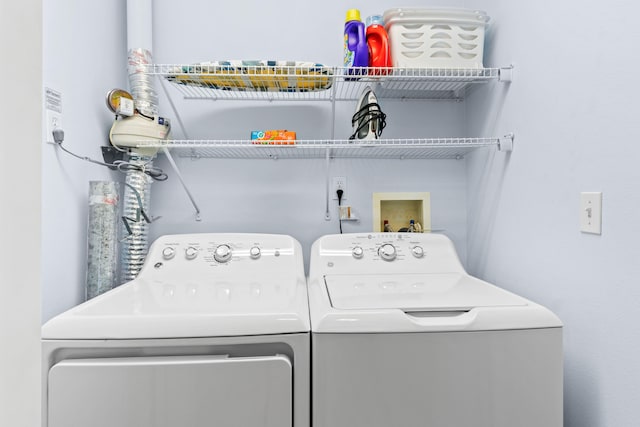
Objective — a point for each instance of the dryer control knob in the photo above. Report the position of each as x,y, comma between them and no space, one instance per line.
357,252
168,253
387,252
191,253
222,253
254,252
417,251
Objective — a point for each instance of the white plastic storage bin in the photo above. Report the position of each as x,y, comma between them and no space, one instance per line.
436,38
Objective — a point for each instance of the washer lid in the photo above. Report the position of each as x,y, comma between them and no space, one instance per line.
416,292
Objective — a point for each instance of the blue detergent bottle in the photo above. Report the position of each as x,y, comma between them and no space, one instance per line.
356,51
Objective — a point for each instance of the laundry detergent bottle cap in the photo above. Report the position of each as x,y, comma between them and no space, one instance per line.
353,15
356,52
374,20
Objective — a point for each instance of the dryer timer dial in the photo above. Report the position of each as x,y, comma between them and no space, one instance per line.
222,253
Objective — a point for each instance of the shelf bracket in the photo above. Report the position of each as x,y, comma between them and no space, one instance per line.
506,143
505,74
327,213
333,111
165,150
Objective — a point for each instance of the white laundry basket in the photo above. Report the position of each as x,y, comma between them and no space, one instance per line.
436,37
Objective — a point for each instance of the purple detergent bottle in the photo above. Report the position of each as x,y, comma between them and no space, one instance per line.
356,51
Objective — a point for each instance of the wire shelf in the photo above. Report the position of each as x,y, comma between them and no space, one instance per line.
320,83
432,148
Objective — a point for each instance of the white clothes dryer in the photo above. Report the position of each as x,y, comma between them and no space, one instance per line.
213,331
403,336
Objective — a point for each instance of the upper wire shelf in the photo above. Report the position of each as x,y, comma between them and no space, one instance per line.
321,83
428,148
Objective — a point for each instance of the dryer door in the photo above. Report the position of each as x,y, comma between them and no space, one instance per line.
184,391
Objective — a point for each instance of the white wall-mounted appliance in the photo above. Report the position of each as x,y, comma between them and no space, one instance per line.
213,331
403,336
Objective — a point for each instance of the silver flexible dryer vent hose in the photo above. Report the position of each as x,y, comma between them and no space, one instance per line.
136,202
137,191
141,83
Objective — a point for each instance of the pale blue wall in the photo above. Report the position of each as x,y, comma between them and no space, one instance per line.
288,196
84,57
573,106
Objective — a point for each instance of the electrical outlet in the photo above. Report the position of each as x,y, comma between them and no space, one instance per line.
54,121
339,183
591,213
53,112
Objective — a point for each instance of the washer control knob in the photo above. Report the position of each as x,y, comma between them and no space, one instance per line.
417,251
222,253
168,253
191,253
357,252
254,252
387,252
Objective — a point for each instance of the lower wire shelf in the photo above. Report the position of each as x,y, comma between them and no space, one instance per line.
427,148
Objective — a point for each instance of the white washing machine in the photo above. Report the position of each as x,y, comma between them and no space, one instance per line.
213,331
403,336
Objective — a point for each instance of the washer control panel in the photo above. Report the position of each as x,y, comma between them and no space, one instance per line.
384,253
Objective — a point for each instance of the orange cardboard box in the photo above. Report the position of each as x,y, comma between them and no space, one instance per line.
273,137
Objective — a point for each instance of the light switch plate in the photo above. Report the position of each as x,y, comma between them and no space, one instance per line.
591,212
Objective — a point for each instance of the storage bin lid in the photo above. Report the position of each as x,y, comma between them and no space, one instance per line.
432,15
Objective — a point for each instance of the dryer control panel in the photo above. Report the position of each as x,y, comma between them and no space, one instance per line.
385,253
201,255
